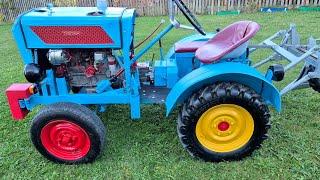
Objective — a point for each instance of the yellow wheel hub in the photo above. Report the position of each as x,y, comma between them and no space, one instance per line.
224,128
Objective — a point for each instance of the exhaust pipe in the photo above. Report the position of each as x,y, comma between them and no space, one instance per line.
102,5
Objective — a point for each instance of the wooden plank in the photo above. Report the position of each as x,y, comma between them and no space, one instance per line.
198,9
163,7
259,3
206,7
245,3
269,2
211,7
298,3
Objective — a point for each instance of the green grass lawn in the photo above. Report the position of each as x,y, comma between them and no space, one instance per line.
150,148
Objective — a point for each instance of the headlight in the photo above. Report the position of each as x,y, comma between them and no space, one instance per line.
33,73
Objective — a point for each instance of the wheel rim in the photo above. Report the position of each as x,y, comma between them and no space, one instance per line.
224,128
65,140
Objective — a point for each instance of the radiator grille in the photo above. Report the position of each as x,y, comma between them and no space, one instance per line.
72,34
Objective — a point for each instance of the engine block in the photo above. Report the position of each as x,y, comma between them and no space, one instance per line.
83,68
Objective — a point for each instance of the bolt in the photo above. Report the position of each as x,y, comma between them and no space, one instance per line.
74,138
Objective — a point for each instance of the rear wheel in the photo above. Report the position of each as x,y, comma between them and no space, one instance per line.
225,121
68,133
315,84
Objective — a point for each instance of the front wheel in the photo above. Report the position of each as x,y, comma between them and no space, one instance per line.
68,133
223,122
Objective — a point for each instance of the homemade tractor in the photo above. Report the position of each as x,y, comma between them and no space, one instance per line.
75,57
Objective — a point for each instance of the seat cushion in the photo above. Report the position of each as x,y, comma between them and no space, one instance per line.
184,47
227,40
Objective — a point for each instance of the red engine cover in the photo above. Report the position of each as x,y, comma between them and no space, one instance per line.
72,34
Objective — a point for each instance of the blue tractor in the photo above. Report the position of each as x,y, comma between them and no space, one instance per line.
80,56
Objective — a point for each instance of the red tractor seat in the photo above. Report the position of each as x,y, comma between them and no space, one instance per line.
227,40
184,47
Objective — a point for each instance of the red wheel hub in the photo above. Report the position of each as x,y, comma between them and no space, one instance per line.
65,140
223,126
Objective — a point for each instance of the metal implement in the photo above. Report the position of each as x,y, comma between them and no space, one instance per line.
292,50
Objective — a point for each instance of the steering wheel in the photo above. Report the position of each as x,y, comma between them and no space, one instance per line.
190,17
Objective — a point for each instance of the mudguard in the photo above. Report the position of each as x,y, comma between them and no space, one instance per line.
228,72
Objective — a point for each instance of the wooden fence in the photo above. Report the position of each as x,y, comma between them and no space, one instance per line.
9,9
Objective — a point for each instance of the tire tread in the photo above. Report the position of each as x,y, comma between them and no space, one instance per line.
215,94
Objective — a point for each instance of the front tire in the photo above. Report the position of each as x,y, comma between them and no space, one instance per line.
68,133
223,122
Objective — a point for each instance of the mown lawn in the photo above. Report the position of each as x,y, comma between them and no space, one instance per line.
150,148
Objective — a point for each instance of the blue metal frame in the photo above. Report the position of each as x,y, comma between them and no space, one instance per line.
119,24
153,42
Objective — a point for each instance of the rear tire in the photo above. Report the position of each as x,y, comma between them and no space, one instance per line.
224,109
68,133
315,84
